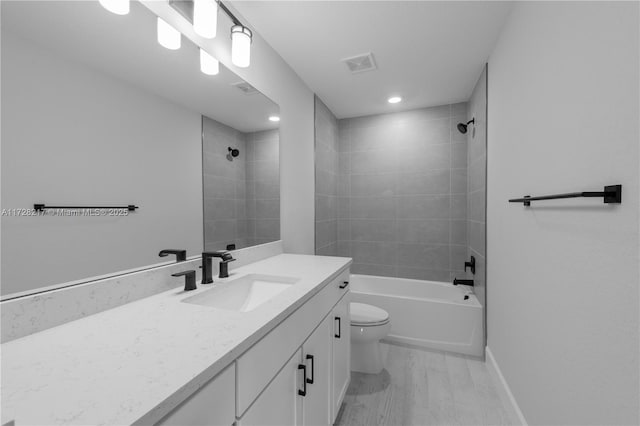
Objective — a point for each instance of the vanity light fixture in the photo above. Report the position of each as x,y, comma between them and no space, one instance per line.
274,118
168,36
208,64
241,45
394,99
205,18
203,14
119,7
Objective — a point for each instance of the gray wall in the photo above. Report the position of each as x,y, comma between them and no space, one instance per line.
562,275
263,186
61,146
225,186
241,197
326,147
402,187
477,184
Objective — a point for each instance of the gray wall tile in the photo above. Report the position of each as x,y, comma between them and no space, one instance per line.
402,182
372,185
328,206
423,256
424,207
434,231
428,182
381,230
371,208
458,181
373,252
378,270
232,188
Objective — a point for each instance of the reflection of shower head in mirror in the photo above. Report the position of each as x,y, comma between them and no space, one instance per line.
233,152
462,127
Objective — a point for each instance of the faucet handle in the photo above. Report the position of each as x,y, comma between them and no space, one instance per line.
181,255
222,254
189,279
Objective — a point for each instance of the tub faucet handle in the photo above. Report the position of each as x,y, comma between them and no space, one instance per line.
471,264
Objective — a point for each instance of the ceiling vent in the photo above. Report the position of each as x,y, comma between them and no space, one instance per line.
360,63
245,87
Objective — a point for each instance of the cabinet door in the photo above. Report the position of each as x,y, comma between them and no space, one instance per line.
316,355
279,404
213,404
341,337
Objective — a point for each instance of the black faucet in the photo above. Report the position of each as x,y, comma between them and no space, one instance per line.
225,258
462,282
189,279
181,255
471,265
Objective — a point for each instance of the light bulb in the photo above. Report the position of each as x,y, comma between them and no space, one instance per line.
119,7
240,46
205,18
394,99
274,118
208,64
168,36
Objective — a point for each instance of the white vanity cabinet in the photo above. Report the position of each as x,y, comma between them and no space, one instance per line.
279,404
213,404
276,388
316,358
341,354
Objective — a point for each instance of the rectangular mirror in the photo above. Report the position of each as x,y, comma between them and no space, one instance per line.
96,113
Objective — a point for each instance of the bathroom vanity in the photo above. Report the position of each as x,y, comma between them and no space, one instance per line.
281,359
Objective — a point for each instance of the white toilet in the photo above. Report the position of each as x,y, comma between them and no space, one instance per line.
369,324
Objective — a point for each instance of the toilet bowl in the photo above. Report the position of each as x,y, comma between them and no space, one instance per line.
369,324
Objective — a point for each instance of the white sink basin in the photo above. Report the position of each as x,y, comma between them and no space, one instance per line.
243,294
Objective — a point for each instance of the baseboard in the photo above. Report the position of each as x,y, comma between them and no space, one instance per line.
434,345
503,389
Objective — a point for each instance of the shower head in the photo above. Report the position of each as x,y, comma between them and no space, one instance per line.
233,152
462,128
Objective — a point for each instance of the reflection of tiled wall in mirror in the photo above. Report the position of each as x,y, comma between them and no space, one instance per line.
241,194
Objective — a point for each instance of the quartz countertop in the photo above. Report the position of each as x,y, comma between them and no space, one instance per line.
135,363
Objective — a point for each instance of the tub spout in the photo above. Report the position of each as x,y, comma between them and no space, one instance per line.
462,282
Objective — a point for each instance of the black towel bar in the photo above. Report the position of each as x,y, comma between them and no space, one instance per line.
41,207
612,194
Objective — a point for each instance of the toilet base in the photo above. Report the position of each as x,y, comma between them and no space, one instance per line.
366,357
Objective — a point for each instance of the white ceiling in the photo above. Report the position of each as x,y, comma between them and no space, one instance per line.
125,47
428,52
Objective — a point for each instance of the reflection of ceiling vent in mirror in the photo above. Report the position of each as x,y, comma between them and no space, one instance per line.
245,87
360,63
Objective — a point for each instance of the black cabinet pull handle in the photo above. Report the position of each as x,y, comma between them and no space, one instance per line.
310,381
339,328
344,284
303,392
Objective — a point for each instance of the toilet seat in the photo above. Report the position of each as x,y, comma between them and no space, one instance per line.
363,315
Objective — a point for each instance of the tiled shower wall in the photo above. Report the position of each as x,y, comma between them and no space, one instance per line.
242,196
326,149
224,186
263,187
402,193
477,184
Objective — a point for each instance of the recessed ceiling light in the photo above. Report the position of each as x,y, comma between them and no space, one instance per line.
394,99
274,118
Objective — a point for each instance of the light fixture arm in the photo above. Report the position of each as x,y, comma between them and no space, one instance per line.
231,16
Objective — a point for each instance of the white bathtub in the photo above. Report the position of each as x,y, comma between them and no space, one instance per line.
430,314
